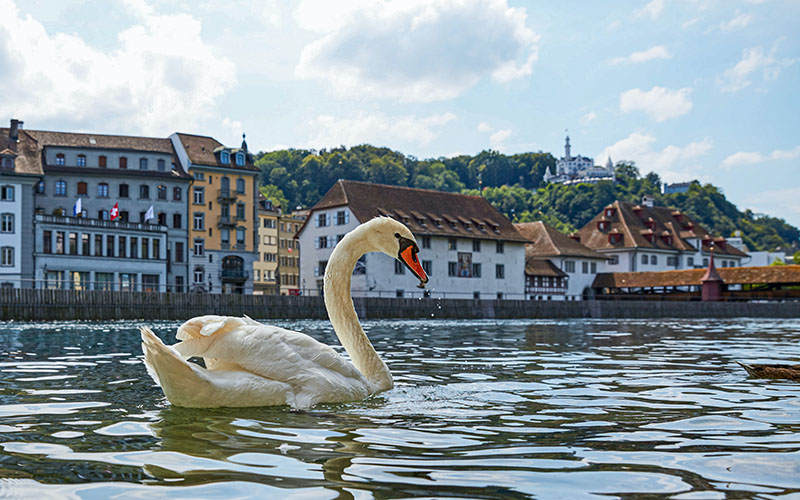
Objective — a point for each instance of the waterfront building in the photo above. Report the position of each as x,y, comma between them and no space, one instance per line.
643,237
86,175
578,169
265,267
20,171
289,252
557,267
222,213
467,248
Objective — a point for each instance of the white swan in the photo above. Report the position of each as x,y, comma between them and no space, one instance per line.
251,364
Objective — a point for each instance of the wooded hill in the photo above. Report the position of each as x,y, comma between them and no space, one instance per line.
513,184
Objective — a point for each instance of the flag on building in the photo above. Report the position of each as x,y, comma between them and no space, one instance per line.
150,214
115,211
77,209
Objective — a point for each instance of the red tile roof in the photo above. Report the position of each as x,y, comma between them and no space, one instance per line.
452,210
547,241
542,267
784,275
28,157
202,150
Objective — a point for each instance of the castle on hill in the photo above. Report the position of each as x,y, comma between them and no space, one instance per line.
578,169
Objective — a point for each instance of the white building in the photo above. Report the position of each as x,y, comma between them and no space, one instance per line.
467,248
557,266
757,259
578,169
642,237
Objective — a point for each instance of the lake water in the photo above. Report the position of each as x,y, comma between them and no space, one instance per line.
486,409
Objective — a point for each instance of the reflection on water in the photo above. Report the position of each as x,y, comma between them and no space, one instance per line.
570,409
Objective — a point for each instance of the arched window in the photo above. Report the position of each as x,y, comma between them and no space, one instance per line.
240,186
60,160
81,160
226,184
224,157
102,190
61,188
240,233
240,159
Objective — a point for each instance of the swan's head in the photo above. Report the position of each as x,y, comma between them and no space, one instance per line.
396,240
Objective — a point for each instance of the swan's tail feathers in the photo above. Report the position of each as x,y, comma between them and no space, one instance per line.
175,375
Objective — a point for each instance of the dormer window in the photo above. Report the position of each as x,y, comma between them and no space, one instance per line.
610,211
614,238
8,163
495,228
224,157
651,224
60,160
438,223
602,225
240,159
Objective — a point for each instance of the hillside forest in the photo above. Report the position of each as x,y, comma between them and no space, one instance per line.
514,185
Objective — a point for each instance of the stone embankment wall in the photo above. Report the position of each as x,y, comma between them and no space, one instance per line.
50,305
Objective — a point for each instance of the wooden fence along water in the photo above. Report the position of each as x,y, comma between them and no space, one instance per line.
53,305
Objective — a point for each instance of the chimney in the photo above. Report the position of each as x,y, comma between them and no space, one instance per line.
648,200
13,132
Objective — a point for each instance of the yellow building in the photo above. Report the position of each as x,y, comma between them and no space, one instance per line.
222,214
289,253
265,268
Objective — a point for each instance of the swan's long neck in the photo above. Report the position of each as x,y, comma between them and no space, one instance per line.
342,313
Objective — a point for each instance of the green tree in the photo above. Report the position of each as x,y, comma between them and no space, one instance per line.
275,195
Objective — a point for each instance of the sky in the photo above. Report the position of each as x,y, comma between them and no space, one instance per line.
689,89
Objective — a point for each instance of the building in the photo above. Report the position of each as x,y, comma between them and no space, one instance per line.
86,175
467,248
677,187
557,267
642,237
20,171
289,253
265,267
760,258
578,169
222,208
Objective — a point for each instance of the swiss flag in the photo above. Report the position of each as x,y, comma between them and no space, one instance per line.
115,211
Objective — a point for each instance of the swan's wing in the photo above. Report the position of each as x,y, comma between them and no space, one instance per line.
268,351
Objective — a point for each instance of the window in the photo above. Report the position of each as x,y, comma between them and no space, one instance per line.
123,162
7,256
81,160
585,267
198,176
145,248
225,238
476,270
60,161
240,211
240,186
161,192
47,242
427,266
240,159
162,165
61,188
614,260
178,251
224,157
176,221
123,190
452,268
198,247
426,242
40,187
452,244
705,262
123,215
198,195
7,223
672,261
594,267
109,245
322,242
144,192
134,247
198,274
177,193
690,261
569,266
499,271
142,163
476,295
476,245
123,245
102,190
98,245
342,217
60,242
85,244
399,293
654,259
127,282
240,235
322,220
82,188
500,247
73,243
103,281
162,219
644,259
101,161
399,268
199,221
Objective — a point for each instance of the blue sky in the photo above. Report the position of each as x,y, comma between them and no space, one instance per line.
691,89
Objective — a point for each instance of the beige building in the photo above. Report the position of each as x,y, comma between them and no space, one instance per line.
265,267
289,253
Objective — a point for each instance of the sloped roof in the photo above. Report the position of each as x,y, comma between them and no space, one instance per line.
547,241
368,200
28,160
542,267
103,141
687,277
631,222
201,151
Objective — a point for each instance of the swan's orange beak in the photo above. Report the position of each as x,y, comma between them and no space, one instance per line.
408,256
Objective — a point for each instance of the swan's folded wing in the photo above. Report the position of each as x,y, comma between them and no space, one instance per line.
205,326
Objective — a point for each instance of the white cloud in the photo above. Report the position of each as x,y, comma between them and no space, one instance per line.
739,21
652,10
753,60
673,163
414,50
690,22
379,129
160,77
587,118
657,52
749,158
785,202
497,140
484,127
660,103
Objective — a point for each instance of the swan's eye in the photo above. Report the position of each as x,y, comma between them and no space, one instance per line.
397,235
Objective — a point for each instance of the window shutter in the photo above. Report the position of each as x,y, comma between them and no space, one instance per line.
347,217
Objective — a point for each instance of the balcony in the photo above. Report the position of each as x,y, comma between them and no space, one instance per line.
233,275
225,221
240,246
226,196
